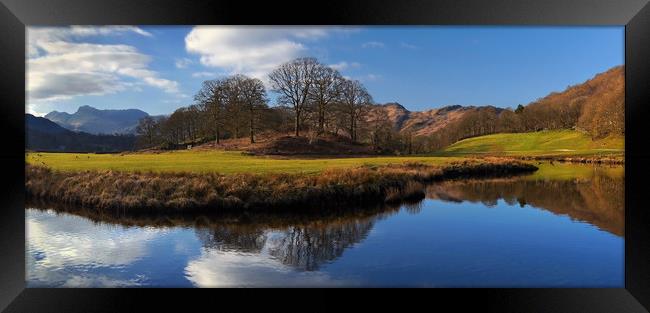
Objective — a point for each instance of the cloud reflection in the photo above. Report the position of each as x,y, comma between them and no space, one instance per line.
67,250
215,268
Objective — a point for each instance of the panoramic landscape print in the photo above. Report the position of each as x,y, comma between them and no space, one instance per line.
267,156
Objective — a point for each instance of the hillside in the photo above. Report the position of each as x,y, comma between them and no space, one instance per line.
596,106
44,135
422,123
95,121
43,125
561,142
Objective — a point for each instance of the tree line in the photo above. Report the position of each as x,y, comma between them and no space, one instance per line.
312,97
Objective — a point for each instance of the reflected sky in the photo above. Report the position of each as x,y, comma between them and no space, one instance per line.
495,233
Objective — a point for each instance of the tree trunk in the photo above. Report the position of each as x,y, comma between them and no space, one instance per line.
321,120
252,126
352,130
297,124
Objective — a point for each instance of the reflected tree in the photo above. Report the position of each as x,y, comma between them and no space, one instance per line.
233,238
307,247
599,200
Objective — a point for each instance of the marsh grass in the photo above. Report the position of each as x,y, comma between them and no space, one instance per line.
147,192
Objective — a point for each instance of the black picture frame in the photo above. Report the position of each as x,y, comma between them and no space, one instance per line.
634,14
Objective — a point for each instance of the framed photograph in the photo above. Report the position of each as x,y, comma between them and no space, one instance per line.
491,151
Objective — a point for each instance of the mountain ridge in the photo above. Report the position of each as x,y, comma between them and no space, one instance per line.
423,123
97,121
44,135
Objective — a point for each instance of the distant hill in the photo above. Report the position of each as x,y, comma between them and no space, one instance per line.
596,106
43,125
44,135
95,121
423,123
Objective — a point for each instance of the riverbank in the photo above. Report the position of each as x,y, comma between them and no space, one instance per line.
606,160
150,192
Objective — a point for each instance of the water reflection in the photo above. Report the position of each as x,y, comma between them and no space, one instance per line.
598,201
495,232
276,254
63,249
236,239
304,246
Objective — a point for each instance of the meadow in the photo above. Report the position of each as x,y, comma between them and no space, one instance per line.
212,161
542,143
535,144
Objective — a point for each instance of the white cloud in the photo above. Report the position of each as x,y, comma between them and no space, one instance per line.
371,77
204,74
408,45
38,35
59,66
56,86
34,110
253,51
107,30
373,44
183,63
344,65
365,78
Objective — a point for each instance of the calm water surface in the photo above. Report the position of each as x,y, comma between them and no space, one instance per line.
536,231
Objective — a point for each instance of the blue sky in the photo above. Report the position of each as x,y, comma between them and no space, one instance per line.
158,69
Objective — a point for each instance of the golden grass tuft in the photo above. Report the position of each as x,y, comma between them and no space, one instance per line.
211,192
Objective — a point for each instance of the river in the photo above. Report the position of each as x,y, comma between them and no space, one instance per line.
560,227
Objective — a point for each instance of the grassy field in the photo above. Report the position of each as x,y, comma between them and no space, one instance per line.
225,162
232,162
563,142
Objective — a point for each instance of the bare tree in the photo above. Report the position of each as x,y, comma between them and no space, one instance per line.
211,97
380,129
234,108
293,81
326,90
251,99
146,128
192,119
355,101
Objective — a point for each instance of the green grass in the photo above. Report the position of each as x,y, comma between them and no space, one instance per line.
225,162
544,143
231,162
